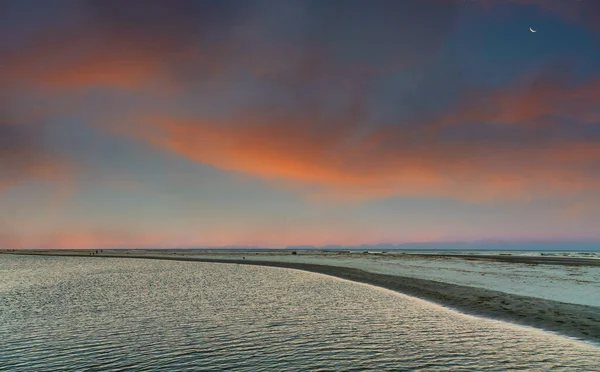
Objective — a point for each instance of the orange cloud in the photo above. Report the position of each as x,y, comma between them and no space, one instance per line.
528,101
55,171
23,159
153,44
382,163
83,60
339,156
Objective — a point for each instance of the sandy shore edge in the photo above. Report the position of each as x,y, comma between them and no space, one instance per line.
578,321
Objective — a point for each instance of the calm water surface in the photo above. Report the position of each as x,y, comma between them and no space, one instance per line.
60,313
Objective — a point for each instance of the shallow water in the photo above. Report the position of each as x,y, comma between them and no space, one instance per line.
72,313
570,284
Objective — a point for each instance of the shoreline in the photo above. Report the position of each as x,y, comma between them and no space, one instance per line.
572,320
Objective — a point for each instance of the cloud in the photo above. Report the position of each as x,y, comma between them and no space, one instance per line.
144,44
293,53
299,54
23,159
80,59
341,156
530,100
295,102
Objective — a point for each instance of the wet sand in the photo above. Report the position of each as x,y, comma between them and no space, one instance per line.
579,321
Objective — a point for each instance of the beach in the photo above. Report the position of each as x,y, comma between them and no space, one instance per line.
570,319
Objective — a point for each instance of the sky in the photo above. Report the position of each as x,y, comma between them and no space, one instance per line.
272,123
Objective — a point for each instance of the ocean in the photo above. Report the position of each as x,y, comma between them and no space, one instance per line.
79,313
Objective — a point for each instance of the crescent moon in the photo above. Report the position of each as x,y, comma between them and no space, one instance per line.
532,30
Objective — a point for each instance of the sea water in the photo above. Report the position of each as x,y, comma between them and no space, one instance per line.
78,313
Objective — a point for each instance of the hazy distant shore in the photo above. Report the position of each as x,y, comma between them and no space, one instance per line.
580,321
